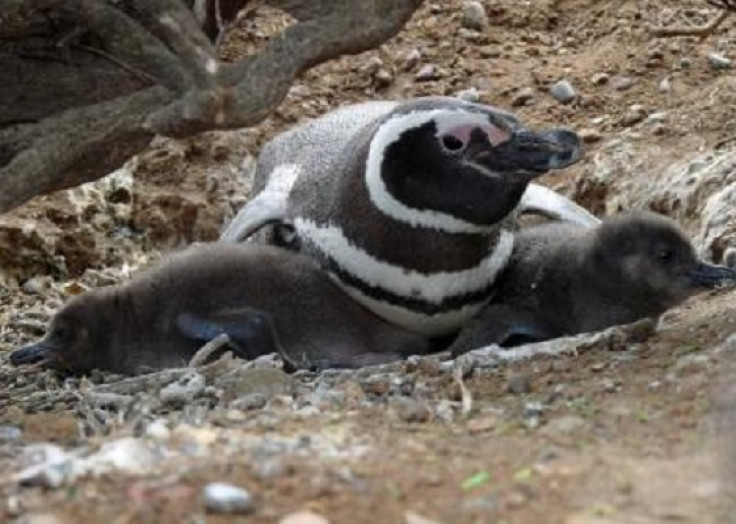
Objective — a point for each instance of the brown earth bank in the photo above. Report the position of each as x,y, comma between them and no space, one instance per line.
632,432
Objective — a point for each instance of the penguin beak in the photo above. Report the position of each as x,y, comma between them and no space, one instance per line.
31,354
547,150
707,275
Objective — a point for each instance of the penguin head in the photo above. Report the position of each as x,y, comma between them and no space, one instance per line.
648,258
457,166
78,338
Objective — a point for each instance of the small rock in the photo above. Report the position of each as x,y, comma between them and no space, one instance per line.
371,66
622,83
523,97
481,425
483,505
426,73
410,410
268,469
10,433
469,95
226,498
564,425
158,429
474,15
685,62
532,409
690,364
376,386
38,285
250,401
665,85
415,518
304,517
518,384
599,79
183,390
634,115
383,78
563,92
41,518
445,410
659,129
718,61
589,135
268,381
468,34
411,59
127,455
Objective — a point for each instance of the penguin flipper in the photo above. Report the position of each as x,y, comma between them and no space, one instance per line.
266,208
250,330
502,325
543,201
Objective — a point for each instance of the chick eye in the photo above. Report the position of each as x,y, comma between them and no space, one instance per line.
666,255
452,143
63,334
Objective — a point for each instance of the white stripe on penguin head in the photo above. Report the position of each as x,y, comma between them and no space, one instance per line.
389,132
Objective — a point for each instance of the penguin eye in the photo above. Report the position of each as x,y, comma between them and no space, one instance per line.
62,334
666,255
452,143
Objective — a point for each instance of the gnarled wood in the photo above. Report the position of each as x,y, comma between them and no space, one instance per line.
89,82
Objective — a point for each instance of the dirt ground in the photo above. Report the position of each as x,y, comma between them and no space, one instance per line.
635,434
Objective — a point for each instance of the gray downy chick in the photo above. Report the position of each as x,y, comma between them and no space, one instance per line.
564,280
410,206
266,299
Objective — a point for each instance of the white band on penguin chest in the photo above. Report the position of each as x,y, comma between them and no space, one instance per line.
430,288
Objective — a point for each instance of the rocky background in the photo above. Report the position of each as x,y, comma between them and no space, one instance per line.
630,426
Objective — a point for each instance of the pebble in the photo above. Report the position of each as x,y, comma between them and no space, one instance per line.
634,115
665,85
485,504
250,401
10,434
383,78
718,61
410,410
474,15
523,97
685,62
226,498
564,425
469,95
268,469
304,517
599,79
427,72
518,384
563,92
589,135
622,83
184,390
158,429
415,518
267,381
411,59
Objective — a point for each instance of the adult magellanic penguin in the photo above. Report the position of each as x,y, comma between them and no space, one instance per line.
410,206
